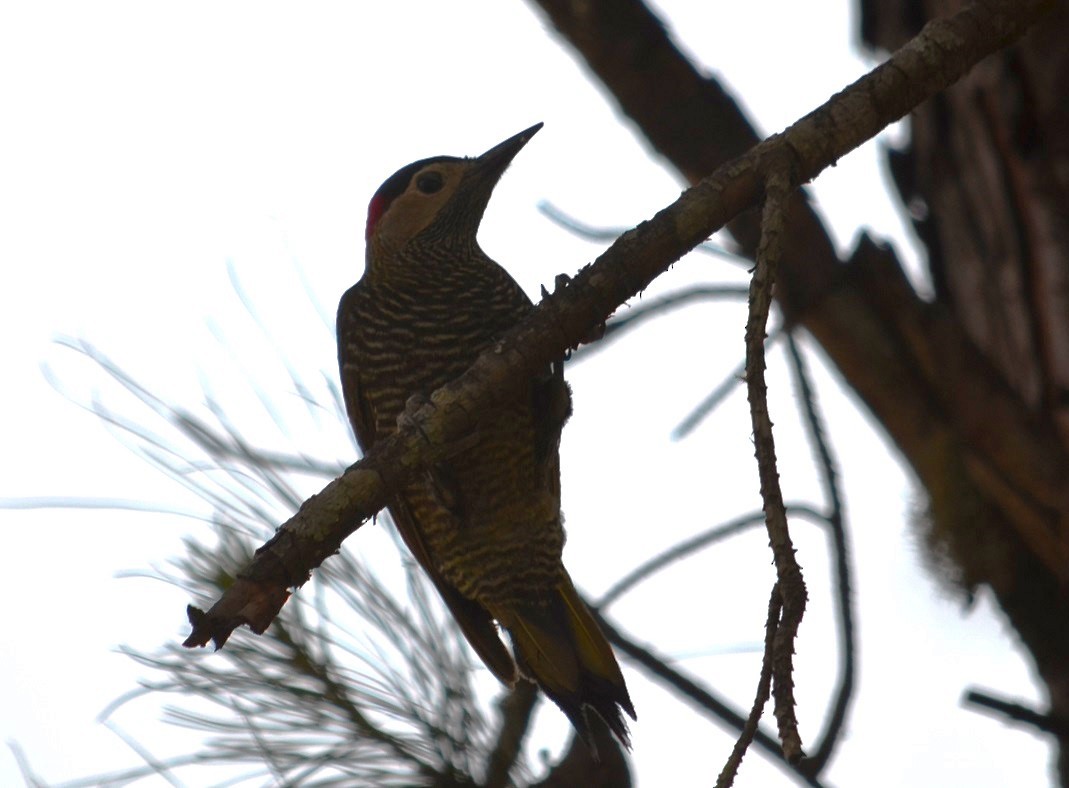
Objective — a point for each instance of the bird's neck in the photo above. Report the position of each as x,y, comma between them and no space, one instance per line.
426,267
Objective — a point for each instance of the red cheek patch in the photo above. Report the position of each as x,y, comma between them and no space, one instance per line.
392,188
378,206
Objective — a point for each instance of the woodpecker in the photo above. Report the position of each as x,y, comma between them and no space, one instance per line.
485,524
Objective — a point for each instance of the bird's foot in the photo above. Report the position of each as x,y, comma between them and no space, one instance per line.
413,404
408,418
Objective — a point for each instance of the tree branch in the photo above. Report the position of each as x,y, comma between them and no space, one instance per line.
692,545
836,519
938,56
591,233
516,708
749,730
700,697
720,392
1018,713
783,630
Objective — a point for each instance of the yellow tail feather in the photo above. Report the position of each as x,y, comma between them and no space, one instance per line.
559,646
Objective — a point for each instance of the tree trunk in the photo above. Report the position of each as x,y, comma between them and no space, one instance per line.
986,178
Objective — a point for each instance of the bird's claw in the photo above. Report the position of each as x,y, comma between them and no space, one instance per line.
407,418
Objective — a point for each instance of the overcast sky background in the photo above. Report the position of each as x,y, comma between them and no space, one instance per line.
148,150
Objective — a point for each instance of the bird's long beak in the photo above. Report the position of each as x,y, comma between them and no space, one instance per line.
465,210
492,163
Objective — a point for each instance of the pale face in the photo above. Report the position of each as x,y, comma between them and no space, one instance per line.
392,223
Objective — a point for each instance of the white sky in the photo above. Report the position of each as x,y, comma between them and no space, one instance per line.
145,147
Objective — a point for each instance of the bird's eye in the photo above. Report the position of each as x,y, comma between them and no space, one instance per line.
429,182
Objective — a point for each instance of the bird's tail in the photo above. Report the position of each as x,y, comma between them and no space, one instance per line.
560,647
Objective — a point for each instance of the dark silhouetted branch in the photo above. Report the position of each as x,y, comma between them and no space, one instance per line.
715,397
696,543
516,708
590,233
1017,712
779,652
764,684
578,767
829,475
635,316
699,697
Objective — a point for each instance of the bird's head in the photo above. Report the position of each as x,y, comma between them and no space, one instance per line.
441,199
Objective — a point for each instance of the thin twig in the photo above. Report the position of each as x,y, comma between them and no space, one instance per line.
516,708
731,768
690,546
635,316
1018,712
336,693
112,504
160,768
591,233
712,401
698,696
836,519
788,572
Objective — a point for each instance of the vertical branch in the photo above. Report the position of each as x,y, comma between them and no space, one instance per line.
731,768
789,574
516,708
829,473
701,698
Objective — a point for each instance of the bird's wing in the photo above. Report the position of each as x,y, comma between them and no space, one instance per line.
551,404
358,406
475,622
